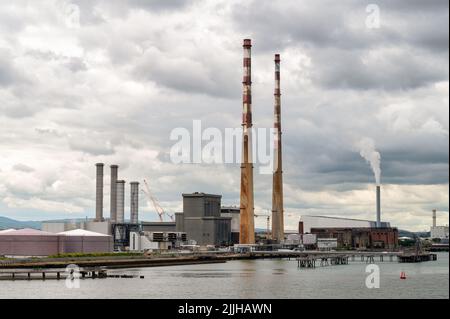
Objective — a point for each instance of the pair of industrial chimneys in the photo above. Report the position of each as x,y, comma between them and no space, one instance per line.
247,226
117,196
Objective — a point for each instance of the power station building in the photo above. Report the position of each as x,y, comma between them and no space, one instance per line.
307,222
201,220
360,238
438,232
235,214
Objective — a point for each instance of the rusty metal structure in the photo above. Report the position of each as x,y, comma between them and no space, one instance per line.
247,223
277,186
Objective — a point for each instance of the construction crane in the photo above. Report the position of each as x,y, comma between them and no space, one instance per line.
268,223
159,210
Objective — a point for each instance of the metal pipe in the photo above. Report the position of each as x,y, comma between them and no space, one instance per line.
247,225
378,207
120,201
113,194
277,185
99,193
134,202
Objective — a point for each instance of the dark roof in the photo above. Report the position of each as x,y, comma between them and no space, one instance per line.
199,194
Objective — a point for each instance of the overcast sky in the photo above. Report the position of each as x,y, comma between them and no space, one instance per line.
88,81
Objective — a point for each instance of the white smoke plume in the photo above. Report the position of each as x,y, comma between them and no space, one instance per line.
371,155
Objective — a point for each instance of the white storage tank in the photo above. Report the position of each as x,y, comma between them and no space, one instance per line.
84,241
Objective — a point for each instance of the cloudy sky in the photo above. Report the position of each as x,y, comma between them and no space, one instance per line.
86,81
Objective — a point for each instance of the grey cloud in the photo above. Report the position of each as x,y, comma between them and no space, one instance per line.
90,145
159,4
9,74
76,64
417,6
331,24
48,131
23,168
376,70
90,9
191,75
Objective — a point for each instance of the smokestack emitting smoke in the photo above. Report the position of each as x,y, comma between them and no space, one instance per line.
434,217
120,218
134,202
247,224
368,152
378,207
372,156
277,186
99,193
113,195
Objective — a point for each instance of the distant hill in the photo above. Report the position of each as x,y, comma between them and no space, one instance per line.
406,233
6,223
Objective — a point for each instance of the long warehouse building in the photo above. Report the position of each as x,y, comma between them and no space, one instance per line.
32,242
307,222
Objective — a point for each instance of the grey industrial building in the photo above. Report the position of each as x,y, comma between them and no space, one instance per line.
235,214
202,221
158,226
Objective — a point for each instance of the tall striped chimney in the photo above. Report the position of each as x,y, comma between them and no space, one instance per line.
277,186
247,225
99,192
113,194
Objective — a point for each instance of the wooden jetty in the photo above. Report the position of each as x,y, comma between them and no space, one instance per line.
416,258
310,261
44,274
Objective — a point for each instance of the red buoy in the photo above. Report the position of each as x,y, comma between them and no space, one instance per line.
402,275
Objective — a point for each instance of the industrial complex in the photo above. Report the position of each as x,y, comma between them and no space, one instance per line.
204,221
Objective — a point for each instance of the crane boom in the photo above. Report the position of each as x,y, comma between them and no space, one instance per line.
161,212
158,208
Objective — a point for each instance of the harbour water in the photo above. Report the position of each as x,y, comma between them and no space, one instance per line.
269,278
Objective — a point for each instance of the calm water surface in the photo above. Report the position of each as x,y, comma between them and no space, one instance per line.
251,279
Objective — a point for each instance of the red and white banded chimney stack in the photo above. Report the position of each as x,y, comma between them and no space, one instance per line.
247,224
277,186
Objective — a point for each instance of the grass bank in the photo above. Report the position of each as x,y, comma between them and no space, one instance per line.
82,255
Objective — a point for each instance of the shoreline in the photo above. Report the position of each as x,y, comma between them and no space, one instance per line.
115,262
